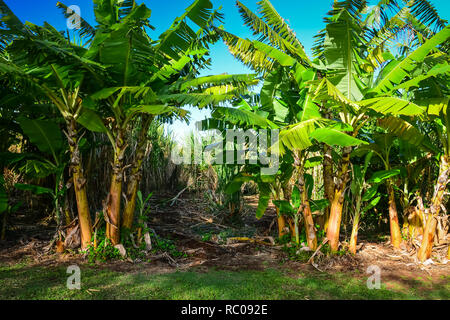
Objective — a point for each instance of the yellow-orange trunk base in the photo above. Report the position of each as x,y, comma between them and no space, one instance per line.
334,223
130,205
396,235
79,183
84,217
438,195
309,228
281,225
113,210
427,240
353,239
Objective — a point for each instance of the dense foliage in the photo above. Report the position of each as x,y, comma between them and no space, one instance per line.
363,123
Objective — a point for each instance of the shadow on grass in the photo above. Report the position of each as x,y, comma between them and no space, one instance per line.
24,282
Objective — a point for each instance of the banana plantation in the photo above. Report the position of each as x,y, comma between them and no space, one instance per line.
356,129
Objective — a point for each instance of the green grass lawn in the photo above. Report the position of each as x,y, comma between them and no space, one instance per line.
23,282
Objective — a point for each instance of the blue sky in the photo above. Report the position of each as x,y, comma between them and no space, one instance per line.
304,16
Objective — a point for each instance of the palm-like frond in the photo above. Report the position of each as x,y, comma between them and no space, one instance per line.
125,7
296,136
406,131
343,49
350,8
437,70
242,117
403,68
200,100
392,106
427,13
435,106
86,31
327,91
378,38
106,12
335,135
171,68
267,34
10,25
18,77
279,25
245,51
415,22
180,36
217,81
269,90
274,54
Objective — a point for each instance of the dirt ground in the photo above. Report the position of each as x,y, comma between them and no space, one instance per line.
187,222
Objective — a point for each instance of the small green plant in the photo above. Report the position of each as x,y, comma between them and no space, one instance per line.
287,238
294,254
138,253
326,249
167,245
207,236
104,251
320,233
143,209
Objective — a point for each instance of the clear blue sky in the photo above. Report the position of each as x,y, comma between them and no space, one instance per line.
304,16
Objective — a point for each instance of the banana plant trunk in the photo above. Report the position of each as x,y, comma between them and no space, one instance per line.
334,222
79,183
130,203
307,215
430,228
135,176
355,228
115,193
354,238
281,224
396,234
327,182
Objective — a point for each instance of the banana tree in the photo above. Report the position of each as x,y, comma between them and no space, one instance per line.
249,116
41,58
437,111
70,105
437,201
46,135
275,187
360,194
437,115
151,79
340,82
430,90
48,159
381,147
359,92
301,197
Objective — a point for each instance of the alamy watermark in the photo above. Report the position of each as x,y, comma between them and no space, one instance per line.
234,146
74,20
374,281
74,280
